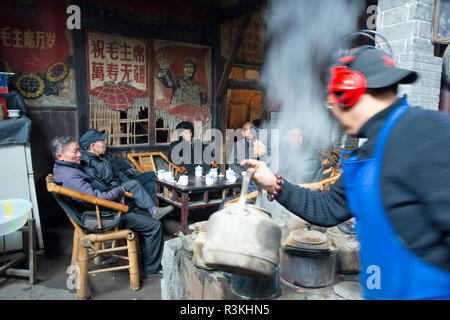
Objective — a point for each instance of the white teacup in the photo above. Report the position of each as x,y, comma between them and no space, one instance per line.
232,177
13,113
168,176
228,173
183,180
198,171
214,171
209,179
160,174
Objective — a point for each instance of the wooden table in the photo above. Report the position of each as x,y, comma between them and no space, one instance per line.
169,192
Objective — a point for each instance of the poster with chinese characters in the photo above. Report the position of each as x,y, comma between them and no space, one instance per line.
118,87
114,58
182,83
35,46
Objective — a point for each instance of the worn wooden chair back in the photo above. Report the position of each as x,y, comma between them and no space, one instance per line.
153,161
98,240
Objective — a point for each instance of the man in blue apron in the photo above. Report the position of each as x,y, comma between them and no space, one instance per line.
397,184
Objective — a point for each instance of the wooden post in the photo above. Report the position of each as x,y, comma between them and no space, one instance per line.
98,245
82,276
76,246
133,261
184,212
32,250
229,63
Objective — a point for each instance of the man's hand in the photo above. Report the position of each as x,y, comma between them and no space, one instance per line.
163,61
262,175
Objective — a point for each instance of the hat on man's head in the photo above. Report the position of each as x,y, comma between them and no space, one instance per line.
377,67
91,136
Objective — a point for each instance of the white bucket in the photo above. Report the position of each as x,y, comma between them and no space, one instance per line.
13,215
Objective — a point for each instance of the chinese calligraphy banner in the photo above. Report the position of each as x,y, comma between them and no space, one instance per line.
32,36
35,46
113,59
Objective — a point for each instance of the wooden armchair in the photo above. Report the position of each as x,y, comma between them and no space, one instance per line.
153,161
94,241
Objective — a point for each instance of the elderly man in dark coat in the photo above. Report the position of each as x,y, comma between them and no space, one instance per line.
68,172
99,163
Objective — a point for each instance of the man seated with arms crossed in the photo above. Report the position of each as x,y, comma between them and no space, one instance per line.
99,163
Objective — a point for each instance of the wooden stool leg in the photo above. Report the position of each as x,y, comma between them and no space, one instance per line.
98,258
83,255
32,250
133,261
76,245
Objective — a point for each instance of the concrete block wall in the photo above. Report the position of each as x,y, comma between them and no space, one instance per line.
406,24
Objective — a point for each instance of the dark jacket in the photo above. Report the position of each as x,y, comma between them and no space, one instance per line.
415,183
105,168
72,176
176,154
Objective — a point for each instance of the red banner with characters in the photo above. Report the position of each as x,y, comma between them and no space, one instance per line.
33,34
117,69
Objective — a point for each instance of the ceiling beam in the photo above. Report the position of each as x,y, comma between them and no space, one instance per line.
238,10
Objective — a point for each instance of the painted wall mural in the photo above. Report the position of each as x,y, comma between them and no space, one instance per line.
36,46
182,83
118,86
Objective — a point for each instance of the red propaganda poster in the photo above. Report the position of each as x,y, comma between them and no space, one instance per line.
117,69
34,44
182,83
118,87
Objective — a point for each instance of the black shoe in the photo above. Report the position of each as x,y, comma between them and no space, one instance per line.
160,212
157,274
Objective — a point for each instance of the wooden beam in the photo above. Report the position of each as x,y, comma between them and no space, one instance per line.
221,88
244,84
238,10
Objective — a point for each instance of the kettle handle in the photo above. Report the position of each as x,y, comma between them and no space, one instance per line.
244,188
258,202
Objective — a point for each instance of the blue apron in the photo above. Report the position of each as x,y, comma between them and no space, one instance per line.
388,269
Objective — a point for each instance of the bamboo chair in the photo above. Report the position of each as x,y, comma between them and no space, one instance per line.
88,241
153,161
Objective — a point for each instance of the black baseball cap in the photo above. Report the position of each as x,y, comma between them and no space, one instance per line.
377,67
91,136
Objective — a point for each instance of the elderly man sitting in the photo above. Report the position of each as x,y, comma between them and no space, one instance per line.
99,163
68,172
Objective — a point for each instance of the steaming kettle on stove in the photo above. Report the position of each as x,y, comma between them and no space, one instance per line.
242,239
345,238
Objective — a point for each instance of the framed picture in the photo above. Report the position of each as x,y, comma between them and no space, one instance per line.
441,22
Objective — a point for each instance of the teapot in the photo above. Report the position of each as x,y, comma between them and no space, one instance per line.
242,239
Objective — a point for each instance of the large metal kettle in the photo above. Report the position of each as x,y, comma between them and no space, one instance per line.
242,239
348,247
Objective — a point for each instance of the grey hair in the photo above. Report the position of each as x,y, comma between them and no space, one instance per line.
59,144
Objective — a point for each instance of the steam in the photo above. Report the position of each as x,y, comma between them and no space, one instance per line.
303,35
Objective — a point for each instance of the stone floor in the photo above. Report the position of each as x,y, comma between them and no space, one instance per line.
53,277
54,283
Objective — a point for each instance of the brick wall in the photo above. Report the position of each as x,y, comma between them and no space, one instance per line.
406,24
